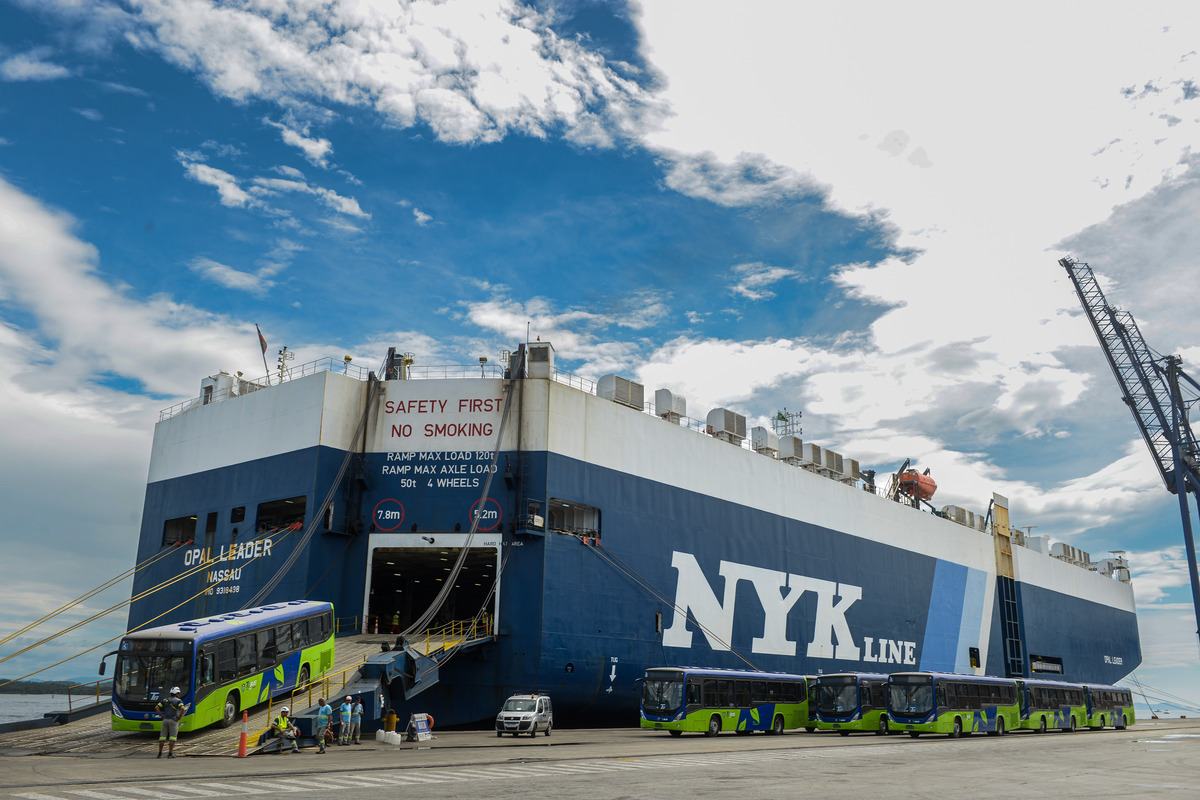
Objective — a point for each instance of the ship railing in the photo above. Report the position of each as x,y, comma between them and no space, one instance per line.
243,386
455,632
93,697
346,626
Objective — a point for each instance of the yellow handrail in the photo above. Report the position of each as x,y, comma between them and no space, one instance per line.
96,699
326,681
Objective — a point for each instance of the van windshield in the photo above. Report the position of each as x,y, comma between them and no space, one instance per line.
518,704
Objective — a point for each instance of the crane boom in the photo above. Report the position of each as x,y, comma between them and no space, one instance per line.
1152,387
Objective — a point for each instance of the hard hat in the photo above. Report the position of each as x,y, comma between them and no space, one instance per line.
175,690
283,710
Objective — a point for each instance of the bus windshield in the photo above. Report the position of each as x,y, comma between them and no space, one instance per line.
662,696
837,695
911,695
151,676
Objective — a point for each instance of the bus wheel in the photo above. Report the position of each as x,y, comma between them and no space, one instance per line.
302,681
883,726
231,710
999,726
675,733
809,729
777,727
1072,723
914,734
1042,729
714,726
844,732
1101,722
957,732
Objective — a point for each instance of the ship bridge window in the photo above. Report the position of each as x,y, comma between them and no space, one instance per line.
237,515
281,513
567,516
180,529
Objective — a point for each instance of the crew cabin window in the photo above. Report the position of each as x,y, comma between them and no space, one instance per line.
180,529
280,513
567,516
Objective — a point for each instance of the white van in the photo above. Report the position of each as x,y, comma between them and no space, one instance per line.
525,713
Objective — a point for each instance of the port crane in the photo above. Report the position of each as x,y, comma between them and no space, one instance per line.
1157,391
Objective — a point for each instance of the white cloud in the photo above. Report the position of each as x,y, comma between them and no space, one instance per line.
335,201
421,217
754,278
230,193
229,277
31,66
316,151
472,71
89,114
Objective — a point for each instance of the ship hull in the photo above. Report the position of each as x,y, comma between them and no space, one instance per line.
692,551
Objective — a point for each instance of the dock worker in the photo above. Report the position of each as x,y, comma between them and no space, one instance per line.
324,717
346,710
356,721
396,622
286,731
171,710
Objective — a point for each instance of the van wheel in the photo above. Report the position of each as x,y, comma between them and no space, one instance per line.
777,726
714,726
499,734
549,725
957,732
231,710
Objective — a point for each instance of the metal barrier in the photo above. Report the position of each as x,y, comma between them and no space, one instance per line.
346,626
326,682
93,699
454,632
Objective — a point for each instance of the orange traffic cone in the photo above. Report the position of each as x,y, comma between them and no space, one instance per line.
242,743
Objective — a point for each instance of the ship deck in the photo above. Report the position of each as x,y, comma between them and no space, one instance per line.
94,735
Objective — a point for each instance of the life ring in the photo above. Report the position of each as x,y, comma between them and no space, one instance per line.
430,718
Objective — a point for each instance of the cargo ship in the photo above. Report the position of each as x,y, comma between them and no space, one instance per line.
517,528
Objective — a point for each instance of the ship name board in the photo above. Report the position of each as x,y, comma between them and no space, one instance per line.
238,551
832,637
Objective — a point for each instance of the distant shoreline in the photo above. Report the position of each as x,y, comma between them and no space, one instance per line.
44,687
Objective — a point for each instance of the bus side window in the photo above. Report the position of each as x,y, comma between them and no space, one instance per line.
246,652
941,695
268,653
226,661
206,669
300,633
694,696
283,638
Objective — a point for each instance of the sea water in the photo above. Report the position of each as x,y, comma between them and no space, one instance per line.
16,707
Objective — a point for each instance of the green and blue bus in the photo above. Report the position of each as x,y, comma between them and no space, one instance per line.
222,664
1111,705
936,702
852,701
678,699
1049,705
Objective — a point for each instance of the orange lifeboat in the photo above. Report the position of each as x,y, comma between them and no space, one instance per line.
916,484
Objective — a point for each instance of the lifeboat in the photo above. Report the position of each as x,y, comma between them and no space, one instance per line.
916,484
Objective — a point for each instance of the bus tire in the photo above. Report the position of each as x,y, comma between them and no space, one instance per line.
999,726
957,732
843,732
675,733
777,725
883,726
914,734
714,726
809,728
229,715
1042,727
1072,723
302,678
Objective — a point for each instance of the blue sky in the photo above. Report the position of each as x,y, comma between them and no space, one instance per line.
853,214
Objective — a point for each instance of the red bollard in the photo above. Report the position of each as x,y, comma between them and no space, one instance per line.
242,743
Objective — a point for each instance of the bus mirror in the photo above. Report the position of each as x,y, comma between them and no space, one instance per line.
101,667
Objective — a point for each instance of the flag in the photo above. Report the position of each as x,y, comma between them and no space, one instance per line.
262,341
